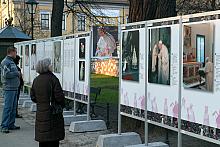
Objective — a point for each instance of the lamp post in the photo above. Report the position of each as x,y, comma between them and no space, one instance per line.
32,6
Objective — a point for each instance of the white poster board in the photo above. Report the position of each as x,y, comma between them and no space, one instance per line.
57,59
163,70
40,52
48,49
27,63
82,65
68,65
33,61
200,96
133,44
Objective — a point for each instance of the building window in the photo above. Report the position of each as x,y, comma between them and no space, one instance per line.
200,48
81,22
45,21
64,22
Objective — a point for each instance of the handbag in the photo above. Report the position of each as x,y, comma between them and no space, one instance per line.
55,108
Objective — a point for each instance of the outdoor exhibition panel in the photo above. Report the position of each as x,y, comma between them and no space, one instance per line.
68,65
132,81
82,66
201,73
57,58
163,68
48,48
27,66
33,61
40,50
182,74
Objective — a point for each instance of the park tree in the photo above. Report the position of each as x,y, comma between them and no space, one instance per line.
141,10
57,17
196,6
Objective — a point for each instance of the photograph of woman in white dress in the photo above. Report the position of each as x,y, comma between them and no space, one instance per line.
106,44
33,56
105,41
27,55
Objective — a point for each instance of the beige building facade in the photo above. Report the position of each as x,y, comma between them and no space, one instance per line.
85,16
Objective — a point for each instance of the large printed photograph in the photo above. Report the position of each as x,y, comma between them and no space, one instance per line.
27,56
81,70
198,56
33,57
57,57
105,41
130,56
159,55
82,48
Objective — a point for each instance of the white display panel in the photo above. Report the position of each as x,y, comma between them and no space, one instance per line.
33,61
82,65
200,102
57,59
40,51
163,70
27,63
48,49
133,68
68,65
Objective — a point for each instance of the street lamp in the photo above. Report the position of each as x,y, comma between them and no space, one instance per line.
32,6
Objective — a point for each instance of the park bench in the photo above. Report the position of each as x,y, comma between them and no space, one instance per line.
94,93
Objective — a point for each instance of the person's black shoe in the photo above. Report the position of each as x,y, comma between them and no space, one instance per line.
5,130
18,116
15,128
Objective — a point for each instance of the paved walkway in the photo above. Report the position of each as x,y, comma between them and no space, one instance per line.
20,138
25,136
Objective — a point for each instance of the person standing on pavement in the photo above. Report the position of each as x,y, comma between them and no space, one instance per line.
10,77
16,60
46,88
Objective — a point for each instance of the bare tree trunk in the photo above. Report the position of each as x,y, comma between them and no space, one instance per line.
213,5
151,9
57,16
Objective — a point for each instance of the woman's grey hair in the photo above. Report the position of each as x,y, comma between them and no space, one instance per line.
43,66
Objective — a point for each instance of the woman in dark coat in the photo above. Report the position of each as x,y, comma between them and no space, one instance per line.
49,129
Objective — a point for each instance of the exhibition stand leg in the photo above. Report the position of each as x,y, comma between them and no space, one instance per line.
71,116
147,144
180,83
119,139
87,125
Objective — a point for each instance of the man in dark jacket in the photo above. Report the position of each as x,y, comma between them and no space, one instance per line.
16,60
10,77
